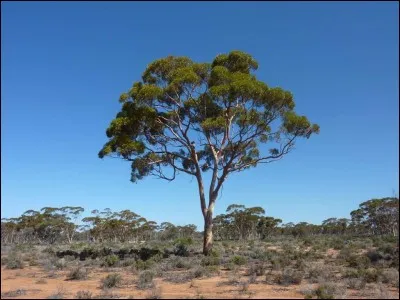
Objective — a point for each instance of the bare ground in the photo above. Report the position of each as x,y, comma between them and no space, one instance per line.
207,288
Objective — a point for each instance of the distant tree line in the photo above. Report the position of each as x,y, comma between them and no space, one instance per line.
51,225
64,225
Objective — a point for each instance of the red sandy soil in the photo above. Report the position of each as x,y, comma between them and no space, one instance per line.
27,279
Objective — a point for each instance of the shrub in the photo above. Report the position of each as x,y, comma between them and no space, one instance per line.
279,261
13,294
387,249
210,261
184,241
60,264
238,260
213,269
257,269
59,294
320,272
355,261
107,295
233,279
307,241
252,278
330,291
391,276
111,280
83,295
145,280
395,260
215,253
49,250
181,250
374,256
289,276
315,273
200,272
244,287
14,262
345,253
371,275
337,244
78,274
380,291
180,277
128,262
110,260
147,253
144,265
155,293
356,283
180,263
33,262
352,273
300,264
157,258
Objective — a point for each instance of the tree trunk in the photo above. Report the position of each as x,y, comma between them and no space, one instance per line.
208,234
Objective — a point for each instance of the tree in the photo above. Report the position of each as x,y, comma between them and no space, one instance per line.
71,215
335,226
244,220
188,117
377,216
243,223
266,225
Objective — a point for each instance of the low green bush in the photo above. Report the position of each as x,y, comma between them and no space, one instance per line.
111,281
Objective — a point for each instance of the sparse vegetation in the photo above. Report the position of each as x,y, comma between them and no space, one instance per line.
78,273
290,258
83,295
14,262
59,294
13,294
111,281
145,280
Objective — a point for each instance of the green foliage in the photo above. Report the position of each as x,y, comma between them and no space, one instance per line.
377,216
238,260
144,265
14,262
374,256
214,99
179,101
242,223
289,276
200,272
145,280
49,225
356,261
210,261
325,291
184,241
181,246
110,260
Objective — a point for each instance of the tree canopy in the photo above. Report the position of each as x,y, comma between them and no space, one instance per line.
219,110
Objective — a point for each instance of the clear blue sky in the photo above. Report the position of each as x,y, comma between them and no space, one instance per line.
64,65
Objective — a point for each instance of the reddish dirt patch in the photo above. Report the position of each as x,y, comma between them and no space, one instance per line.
27,279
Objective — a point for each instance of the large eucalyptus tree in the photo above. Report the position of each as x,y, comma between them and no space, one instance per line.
188,117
